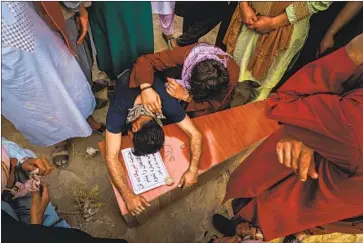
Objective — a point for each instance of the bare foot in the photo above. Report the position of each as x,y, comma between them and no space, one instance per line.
301,236
248,232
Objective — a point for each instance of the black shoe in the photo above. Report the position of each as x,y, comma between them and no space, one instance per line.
291,239
225,226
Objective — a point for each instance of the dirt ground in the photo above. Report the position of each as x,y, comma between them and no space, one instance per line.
187,220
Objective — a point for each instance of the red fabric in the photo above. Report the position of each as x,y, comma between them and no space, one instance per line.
313,109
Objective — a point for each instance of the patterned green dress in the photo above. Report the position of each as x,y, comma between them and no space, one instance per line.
122,31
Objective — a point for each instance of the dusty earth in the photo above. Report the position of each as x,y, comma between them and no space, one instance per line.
187,220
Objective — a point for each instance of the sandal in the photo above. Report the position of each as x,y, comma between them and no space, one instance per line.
247,231
214,237
225,226
293,239
101,129
168,41
100,103
60,155
98,86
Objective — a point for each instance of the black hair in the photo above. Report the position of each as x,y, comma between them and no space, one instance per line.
149,139
209,80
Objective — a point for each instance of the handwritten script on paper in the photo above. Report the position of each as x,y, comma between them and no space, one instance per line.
145,172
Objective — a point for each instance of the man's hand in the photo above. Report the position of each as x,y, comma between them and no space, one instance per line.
264,24
326,43
150,99
38,163
136,204
83,19
39,204
355,49
296,155
189,178
248,14
177,91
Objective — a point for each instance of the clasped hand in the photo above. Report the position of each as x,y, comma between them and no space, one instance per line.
295,155
262,24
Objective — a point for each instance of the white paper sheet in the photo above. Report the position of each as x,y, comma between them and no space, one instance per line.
145,172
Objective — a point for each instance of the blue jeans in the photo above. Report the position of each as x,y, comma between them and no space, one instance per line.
19,209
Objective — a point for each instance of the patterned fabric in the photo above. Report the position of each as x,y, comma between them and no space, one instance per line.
18,33
199,53
301,10
45,93
269,45
29,186
140,110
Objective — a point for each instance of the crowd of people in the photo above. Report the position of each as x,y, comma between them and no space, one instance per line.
306,58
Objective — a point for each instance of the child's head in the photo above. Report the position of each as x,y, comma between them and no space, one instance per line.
209,78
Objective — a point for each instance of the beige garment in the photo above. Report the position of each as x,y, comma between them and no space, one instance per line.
67,13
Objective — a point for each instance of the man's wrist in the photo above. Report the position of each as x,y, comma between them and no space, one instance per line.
188,97
331,33
275,23
145,85
127,195
35,219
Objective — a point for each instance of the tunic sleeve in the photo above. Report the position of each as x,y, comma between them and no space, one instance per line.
300,10
145,66
313,101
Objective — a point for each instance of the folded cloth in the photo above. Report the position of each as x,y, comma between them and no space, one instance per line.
29,186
